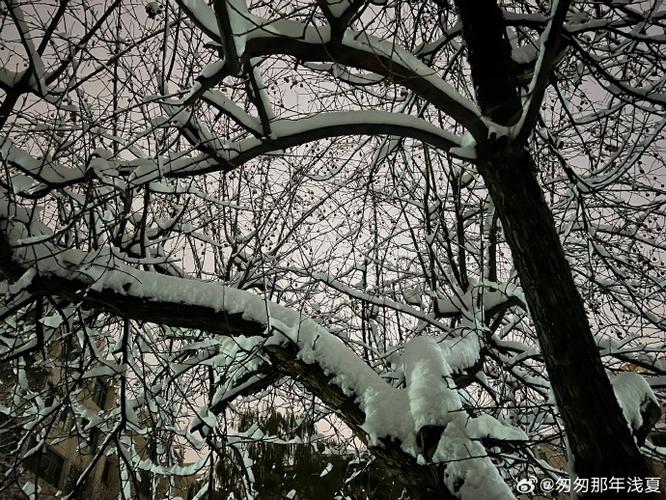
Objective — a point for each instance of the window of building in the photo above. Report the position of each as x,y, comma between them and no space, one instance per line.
53,467
47,464
658,439
71,349
100,393
50,394
95,435
10,433
65,421
106,471
192,491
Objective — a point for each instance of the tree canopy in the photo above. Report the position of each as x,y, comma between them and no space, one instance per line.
433,229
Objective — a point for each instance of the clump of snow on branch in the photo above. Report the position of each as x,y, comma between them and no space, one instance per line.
633,393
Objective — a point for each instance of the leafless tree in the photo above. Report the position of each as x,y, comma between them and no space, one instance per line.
440,223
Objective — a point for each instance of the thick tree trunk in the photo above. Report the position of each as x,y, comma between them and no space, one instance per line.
599,437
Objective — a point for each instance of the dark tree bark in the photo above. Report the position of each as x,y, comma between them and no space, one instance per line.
600,440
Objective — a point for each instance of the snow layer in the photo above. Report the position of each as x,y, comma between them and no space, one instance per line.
485,426
486,293
633,393
469,472
299,131
239,20
43,170
429,386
